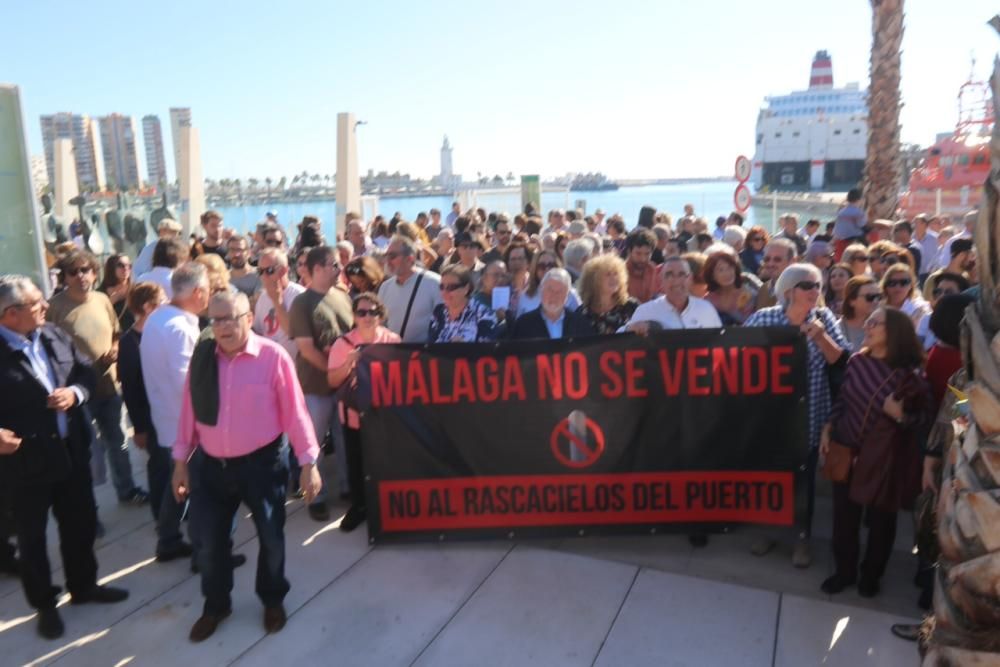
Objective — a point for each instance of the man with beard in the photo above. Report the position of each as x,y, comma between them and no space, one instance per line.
243,276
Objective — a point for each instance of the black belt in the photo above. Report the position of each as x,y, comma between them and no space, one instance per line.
266,450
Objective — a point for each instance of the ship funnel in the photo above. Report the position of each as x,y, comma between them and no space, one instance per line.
821,75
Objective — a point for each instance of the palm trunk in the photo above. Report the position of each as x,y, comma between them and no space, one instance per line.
882,162
963,630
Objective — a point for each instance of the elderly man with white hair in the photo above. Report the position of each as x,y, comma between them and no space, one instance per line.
798,290
735,237
552,319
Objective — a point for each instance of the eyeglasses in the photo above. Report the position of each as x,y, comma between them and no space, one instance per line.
452,287
807,285
901,282
675,274
227,320
367,312
871,324
73,273
354,270
872,298
271,270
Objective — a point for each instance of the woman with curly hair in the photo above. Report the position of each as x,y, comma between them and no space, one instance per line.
603,287
753,249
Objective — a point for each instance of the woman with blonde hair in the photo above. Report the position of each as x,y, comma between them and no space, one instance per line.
856,257
603,288
218,273
899,290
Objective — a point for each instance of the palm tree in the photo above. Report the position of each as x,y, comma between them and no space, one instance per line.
883,164
963,630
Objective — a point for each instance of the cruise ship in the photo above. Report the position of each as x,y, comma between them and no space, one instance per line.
813,139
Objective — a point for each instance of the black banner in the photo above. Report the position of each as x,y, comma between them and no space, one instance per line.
681,430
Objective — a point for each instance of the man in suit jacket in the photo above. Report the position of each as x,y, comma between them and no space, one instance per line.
552,319
45,451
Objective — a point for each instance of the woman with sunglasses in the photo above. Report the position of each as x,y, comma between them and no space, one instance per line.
753,249
363,275
460,319
856,257
861,297
369,313
115,284
940,285
884,405
899,290
798,290
530,297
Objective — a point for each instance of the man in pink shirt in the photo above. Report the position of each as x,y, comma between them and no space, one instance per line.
241,395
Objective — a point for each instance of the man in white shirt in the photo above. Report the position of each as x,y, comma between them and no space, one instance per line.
270,316
168,341
168,255
928,240
410,294
676,309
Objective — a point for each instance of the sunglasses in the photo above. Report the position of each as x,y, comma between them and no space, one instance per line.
354,270
271,270
273,243
367,312
807,285
941,291
451,288
73,273
872,298
902,282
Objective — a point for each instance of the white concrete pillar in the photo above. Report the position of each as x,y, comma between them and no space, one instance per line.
817,169
66,186
348,179
192,185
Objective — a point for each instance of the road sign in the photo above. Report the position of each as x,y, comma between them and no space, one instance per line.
741,198
743,169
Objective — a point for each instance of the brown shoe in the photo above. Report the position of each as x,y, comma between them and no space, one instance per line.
205,626
274,619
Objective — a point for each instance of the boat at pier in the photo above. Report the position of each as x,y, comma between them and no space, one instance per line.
951,176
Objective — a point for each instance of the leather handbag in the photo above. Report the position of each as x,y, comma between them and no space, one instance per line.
840,457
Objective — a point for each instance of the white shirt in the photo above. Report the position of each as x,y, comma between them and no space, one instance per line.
396,297
944,256
699,314
168,341
527,303
144,262
265,322
160,275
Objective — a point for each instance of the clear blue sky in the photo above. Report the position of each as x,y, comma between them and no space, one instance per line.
633,89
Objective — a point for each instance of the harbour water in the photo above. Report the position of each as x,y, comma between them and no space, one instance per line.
710,199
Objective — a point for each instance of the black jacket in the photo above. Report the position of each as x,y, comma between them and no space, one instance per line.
531,325
43,455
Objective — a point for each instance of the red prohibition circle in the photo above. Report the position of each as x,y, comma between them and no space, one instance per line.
562,437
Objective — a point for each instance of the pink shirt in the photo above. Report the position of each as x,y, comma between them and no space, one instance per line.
259,399
338,355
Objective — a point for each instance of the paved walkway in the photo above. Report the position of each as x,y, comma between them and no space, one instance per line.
643,600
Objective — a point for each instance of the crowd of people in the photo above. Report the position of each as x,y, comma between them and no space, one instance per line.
234,357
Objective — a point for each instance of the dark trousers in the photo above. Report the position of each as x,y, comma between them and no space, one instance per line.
166,510
847,516
7,530
218,486
72,502
812,462
355,466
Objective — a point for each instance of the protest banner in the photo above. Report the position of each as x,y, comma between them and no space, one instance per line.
680,430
